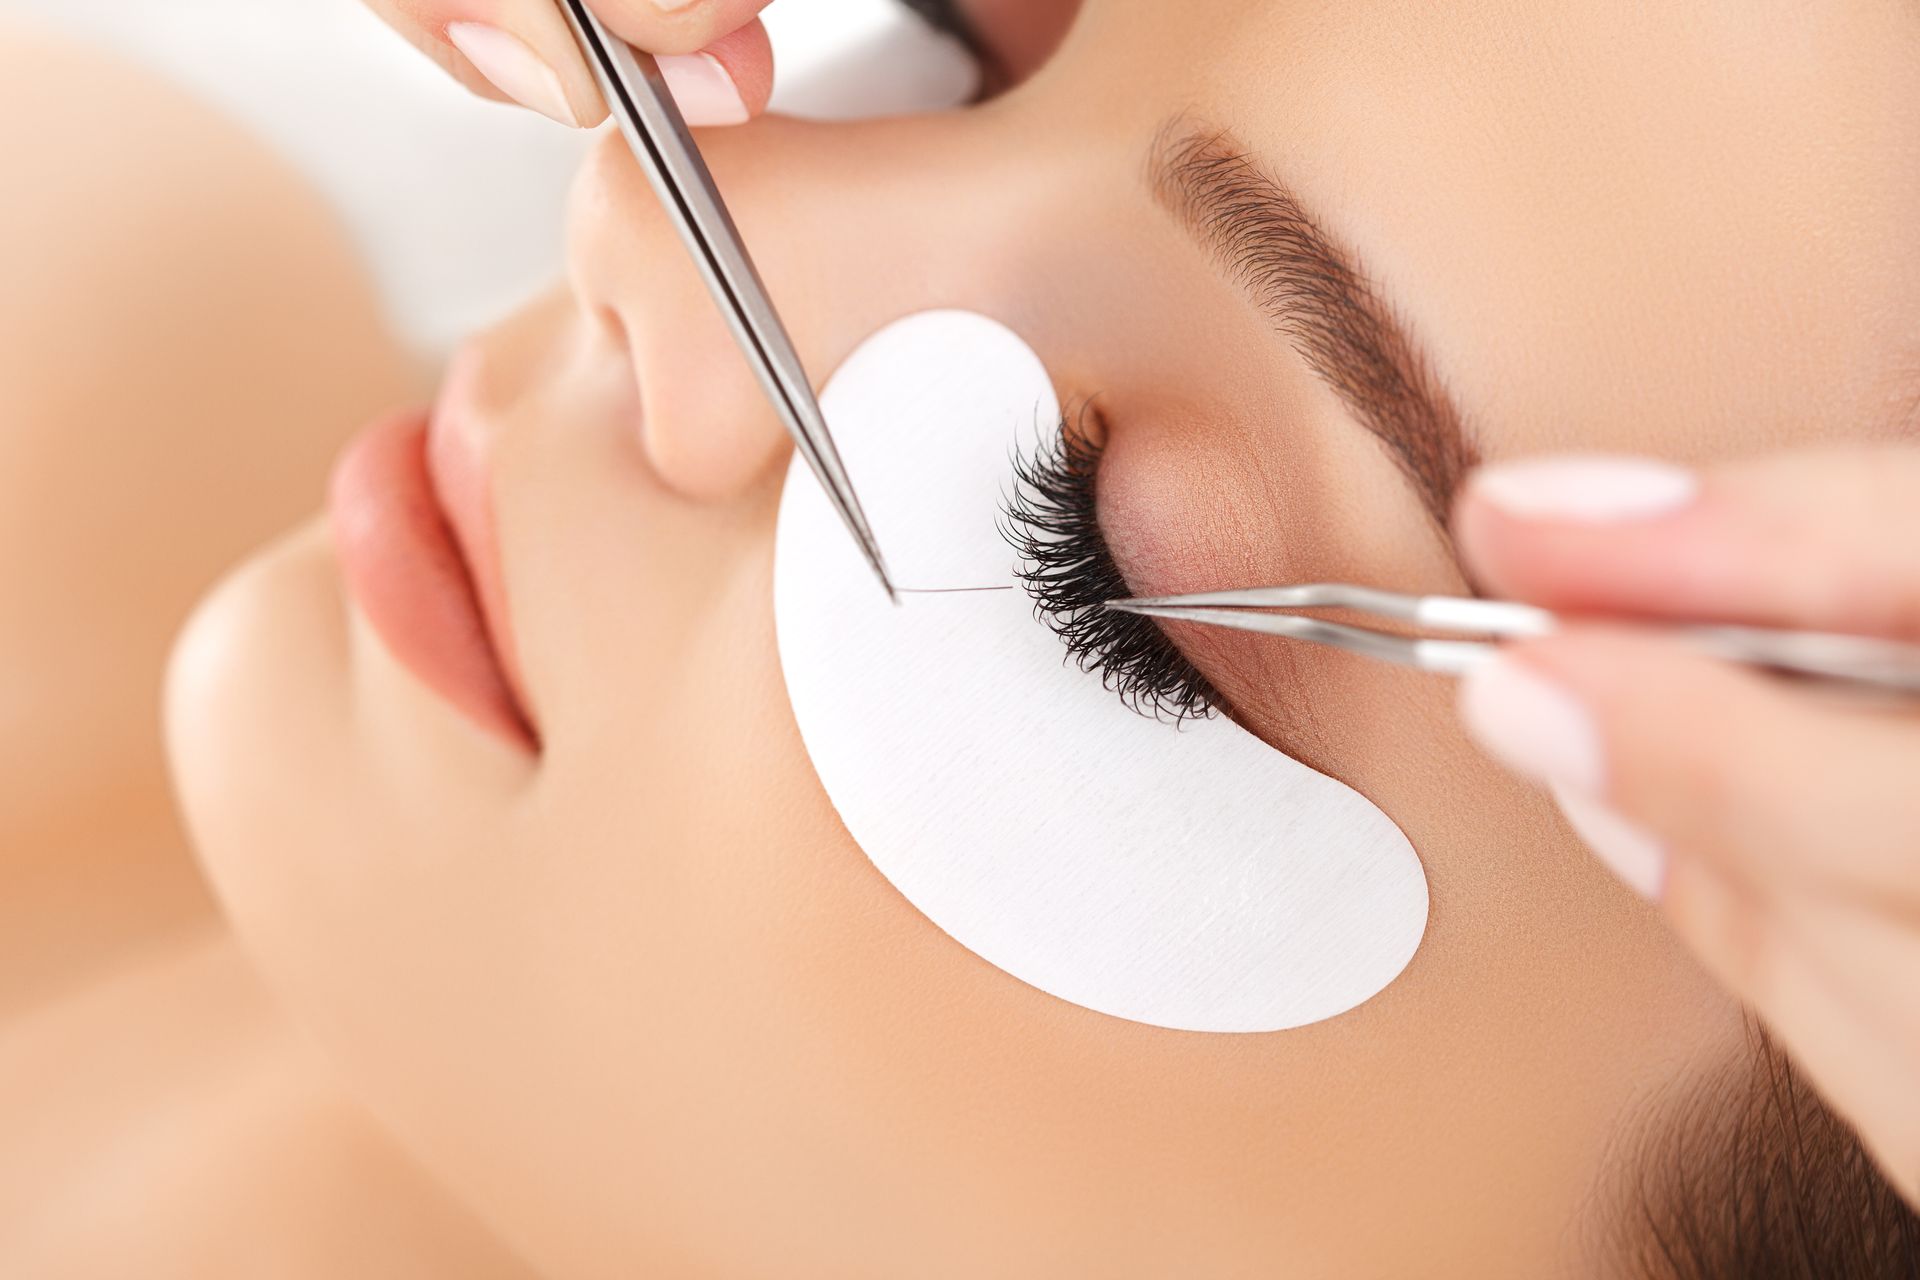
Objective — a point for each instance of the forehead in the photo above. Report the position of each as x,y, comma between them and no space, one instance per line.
1685,227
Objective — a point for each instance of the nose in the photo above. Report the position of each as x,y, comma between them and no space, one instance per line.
836,218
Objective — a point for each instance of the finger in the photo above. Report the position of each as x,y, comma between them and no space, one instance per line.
1811,1010
1829,977
676,26
1867,959
1866,1081
1827,540
727,83
525,52
1782,791
510,51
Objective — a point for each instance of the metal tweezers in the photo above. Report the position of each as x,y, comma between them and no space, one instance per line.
1861,663
638,96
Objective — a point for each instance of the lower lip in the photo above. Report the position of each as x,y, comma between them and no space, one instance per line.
405,571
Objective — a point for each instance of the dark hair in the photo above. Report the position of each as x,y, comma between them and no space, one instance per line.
1752,1177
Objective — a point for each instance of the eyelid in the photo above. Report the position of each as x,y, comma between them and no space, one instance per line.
1315,292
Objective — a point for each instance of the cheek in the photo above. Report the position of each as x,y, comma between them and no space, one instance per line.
1190,878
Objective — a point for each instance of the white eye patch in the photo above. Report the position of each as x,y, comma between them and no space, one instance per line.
1192,878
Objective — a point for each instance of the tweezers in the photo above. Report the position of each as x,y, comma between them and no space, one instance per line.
638,96
1862,663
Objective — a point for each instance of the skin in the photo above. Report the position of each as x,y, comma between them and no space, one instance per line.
163,1115
648,1017
1015,35
87,626
725,30
645,1019
1801,899
1795,931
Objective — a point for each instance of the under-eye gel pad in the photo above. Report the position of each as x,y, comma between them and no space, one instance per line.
1188,877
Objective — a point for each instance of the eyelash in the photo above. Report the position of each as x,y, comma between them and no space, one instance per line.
1052,522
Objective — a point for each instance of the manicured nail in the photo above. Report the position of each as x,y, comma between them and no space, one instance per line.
704,90
1630,853
1532,725
1592,489
514,68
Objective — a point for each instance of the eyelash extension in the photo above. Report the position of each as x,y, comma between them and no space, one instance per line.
1052,522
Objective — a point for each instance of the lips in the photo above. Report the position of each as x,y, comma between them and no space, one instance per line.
412,526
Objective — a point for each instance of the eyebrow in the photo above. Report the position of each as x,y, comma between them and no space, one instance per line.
1315,294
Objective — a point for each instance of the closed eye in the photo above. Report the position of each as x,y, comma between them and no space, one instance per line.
1052,521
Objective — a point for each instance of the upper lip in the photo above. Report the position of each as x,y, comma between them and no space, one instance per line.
459,465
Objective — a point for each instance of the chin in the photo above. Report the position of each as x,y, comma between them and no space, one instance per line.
253,698
306,758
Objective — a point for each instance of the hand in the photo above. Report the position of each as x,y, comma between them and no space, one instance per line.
1779,831
714,53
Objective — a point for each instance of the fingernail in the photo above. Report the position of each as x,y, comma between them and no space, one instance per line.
1592,489
514,68
1532,725
671,6
704,90
1630,853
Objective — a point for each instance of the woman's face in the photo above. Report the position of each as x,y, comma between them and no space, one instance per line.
637,993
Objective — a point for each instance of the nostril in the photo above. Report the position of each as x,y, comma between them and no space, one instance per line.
704,428
602,319
707,431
